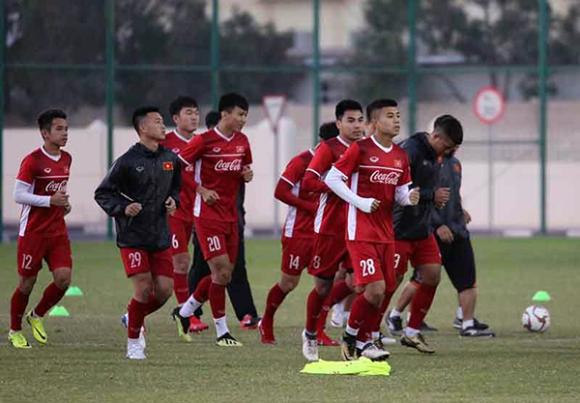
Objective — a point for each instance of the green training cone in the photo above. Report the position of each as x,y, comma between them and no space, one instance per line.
59,310
74,292
541,296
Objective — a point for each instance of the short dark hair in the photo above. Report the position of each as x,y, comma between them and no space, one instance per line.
379,104
230,100
181,102
327,130
212,119
346,105
450,127
45,118
140,114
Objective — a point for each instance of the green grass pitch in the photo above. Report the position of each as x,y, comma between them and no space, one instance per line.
84,360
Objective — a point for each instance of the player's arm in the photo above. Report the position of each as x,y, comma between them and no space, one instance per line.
247,172
192,150
338,175
24,189
320,164
466,215
172,202
109,195
293,173
188,156
67,206
415,160
404,195
436,218
284,193
23,194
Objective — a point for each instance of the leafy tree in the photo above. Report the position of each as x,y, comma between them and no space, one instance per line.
492,33
243,41
155,32
381,43
41,32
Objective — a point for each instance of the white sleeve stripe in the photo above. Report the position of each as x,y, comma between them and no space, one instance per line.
26,183
406,184
313,171
286,180
339,171
182,159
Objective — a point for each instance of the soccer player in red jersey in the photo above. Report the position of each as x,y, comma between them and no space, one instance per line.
185,114
41,188
221,158
298,232
379,176
329,249
140,190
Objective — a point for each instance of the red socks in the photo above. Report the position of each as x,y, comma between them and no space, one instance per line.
217,300
340,291
273,301
18,305
180,287
52,294
152,305
201,293
382,310
360,311
313,307
420,305
137,311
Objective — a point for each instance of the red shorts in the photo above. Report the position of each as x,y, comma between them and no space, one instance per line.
327,254
296,255
181,231
33,248
141,261
420,252
373,262
217,238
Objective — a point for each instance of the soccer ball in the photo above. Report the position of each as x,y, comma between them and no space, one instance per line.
536,319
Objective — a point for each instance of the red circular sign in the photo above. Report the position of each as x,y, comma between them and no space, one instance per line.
488,105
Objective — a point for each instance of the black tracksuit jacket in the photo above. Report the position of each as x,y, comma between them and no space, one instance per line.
147,177
452,214
414,222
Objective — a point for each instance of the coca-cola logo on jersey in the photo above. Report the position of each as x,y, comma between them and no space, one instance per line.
225,166
55,186
388,178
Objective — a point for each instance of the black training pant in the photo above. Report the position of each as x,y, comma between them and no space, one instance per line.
459,262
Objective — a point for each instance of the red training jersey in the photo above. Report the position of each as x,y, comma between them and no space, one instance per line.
218,161
330,218
299,222
176,143
374,171
46,174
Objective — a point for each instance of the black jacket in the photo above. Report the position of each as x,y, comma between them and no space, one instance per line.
452,214
147,177
414,222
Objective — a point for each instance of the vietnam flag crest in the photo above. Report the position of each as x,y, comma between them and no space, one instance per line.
168,166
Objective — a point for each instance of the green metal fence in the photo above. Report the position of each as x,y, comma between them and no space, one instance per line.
411,72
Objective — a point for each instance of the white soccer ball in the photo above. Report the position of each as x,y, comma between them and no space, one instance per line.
536,318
